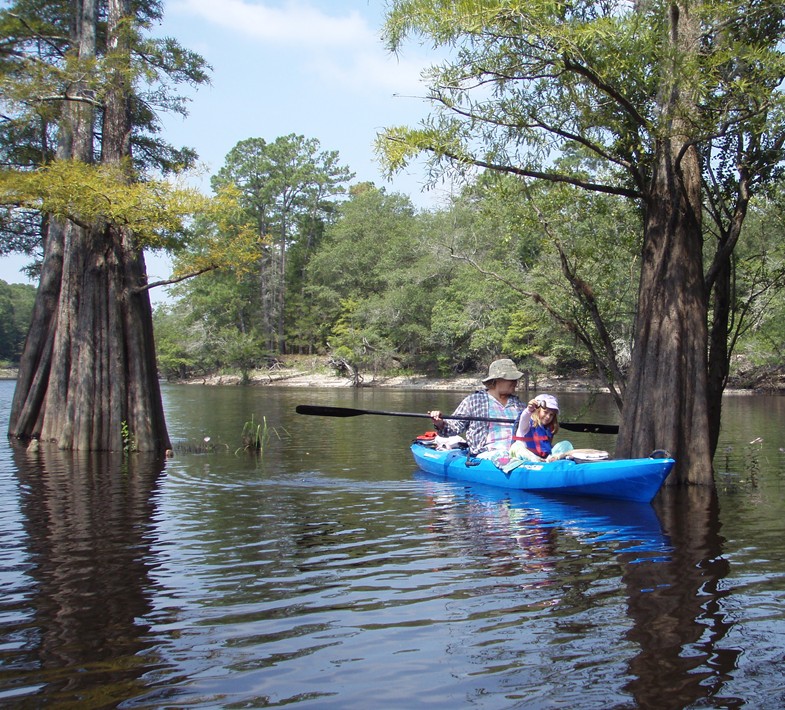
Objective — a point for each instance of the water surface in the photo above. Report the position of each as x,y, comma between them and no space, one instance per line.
329,573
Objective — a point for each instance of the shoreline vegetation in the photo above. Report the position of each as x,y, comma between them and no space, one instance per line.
317,371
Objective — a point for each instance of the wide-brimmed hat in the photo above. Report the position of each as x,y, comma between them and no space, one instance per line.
548,401
502,370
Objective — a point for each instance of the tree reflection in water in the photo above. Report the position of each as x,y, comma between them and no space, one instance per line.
680,622
85,516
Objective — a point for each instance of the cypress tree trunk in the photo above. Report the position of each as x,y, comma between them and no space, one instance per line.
666,400
665,405
88,376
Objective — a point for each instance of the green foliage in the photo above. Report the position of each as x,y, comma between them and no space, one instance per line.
525,81
758,328
241,350
372,280
286,192
16,307
172,339
213,324
129,440
157,212
450,290
520,340
46,80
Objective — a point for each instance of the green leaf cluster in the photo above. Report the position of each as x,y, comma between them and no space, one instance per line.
55,90
156,211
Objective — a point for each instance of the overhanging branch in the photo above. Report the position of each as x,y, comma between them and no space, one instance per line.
534,174
170,282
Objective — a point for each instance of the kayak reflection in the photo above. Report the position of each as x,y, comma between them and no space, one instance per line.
624,526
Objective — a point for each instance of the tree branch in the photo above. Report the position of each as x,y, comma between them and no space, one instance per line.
50,41
539,175
607,89
169,282
598,150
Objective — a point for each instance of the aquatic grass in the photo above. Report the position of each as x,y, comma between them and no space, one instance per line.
254,436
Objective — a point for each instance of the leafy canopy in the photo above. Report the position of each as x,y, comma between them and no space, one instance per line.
155,211
528,81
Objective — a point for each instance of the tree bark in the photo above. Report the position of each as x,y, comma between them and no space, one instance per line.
666,403
88,377
666,398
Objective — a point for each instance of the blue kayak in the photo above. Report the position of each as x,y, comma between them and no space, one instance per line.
622,479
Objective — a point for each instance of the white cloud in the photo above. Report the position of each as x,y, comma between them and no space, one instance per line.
364,69
341,50
292,23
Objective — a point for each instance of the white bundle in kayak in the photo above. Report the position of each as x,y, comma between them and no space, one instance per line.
586,455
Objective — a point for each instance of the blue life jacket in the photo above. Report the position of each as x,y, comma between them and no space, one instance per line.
538,439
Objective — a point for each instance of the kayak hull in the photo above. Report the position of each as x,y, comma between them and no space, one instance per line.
621,479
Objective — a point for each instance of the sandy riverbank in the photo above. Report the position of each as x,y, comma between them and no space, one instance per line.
315,372
299,375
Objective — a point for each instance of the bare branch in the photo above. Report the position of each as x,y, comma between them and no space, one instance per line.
539,175
169,282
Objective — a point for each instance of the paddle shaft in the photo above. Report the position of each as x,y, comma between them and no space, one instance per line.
349,412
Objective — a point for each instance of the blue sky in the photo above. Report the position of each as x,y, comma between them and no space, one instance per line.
315,68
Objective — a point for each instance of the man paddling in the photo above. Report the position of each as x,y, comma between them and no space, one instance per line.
496,401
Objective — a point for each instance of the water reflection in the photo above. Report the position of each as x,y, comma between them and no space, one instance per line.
681,624
328,573
672,573
78,637
560,558
626,525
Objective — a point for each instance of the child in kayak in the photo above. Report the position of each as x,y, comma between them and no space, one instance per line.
537,425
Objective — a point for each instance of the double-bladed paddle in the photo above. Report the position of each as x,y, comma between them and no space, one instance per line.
347,412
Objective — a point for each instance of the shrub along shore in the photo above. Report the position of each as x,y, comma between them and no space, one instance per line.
313,371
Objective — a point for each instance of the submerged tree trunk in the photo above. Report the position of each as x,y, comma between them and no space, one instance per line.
666,403
666,398
719,350
88,376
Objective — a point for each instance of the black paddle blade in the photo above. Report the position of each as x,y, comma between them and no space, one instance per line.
328,411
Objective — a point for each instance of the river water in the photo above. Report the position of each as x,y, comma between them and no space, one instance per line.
327,572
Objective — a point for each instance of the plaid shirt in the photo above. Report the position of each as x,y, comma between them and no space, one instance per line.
475,432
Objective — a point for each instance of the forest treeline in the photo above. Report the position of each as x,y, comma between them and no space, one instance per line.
16,308
357,273
618,204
